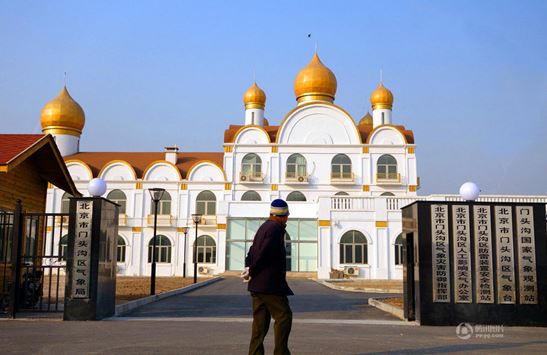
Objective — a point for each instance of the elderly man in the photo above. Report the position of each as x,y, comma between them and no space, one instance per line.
266,265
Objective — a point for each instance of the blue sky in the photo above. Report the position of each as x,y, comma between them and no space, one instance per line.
469,77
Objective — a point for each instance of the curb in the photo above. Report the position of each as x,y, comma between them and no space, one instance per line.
362,290
129,306
397,312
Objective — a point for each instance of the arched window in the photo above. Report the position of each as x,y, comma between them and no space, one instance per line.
163,249
63,247
65,202
251,196
251,166
341,167
399,250
387,194
117,196
341,193
387,167
296,196
206,203
353,248
120,251
296,166
206,249
164,205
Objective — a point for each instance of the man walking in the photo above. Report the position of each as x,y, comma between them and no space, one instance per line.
266,262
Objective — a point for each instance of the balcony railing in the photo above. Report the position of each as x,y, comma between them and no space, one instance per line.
164,220
245,177
347,203
388,178
341,178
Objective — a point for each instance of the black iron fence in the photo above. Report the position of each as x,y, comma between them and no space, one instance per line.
32,261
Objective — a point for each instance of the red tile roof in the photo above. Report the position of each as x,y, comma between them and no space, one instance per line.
12,145
141,160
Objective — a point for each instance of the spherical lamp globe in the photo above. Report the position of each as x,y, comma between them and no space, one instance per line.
96,187
469,191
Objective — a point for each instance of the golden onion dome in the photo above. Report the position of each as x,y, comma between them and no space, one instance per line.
366,120
254,97
381,98
266,122
63,115
315,82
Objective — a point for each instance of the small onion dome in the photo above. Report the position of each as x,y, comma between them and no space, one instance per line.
266,122
381,98
254,97
315,82
63,115
366,120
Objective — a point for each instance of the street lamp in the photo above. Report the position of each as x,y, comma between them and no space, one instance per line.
156,194
196,218
185,231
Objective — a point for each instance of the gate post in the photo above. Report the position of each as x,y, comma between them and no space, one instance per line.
16,247
90,291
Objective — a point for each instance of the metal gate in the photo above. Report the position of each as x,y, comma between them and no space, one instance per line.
32,261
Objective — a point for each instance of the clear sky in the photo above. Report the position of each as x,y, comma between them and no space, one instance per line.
469,77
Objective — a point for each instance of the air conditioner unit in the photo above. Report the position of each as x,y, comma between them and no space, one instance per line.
351,271
243,178
203,270
301,179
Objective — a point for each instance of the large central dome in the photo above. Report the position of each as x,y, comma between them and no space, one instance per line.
315,82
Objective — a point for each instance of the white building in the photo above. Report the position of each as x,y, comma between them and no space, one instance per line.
344,181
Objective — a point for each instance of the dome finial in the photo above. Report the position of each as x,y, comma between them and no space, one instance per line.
381,98
63,115
315,82
254,97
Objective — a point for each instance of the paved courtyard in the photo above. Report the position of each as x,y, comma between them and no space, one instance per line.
216,320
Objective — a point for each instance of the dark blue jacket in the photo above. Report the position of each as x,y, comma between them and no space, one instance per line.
267,260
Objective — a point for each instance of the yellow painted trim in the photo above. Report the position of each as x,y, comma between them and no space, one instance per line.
324,223
228,148
184,186
241,129
181,230
227,186
274,187
117,161
139,186
161,161
316,103
410,150
49,185
384,126
366,188
3,168
62,130
49,228
221,226
365,150
412,188
203,162
78,161
275,149
136,229
381,224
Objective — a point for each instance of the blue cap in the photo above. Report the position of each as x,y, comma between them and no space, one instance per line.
279,208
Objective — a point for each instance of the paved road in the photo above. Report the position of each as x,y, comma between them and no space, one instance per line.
229,298
216,320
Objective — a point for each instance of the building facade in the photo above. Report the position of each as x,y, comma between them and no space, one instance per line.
344,181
